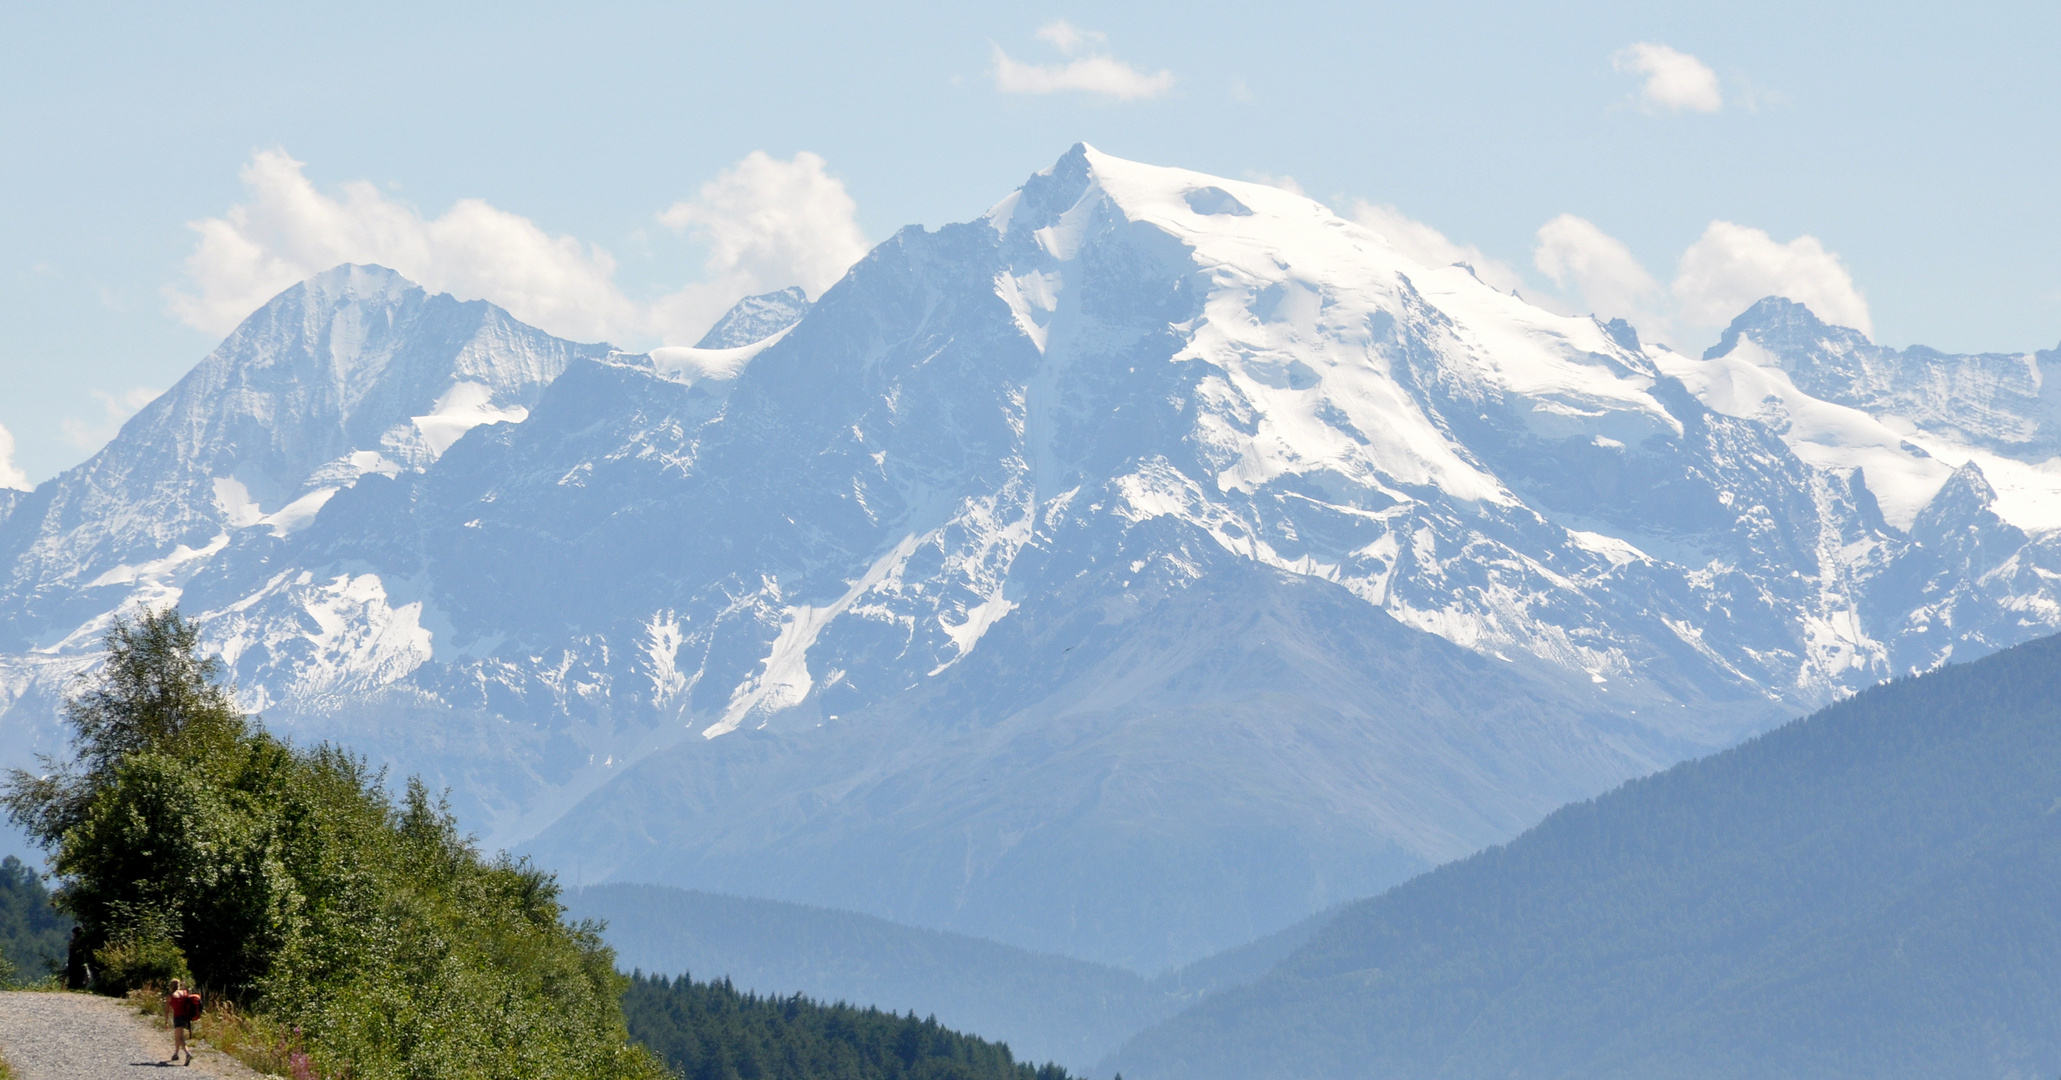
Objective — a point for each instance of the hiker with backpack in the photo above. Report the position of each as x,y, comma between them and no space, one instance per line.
184,1007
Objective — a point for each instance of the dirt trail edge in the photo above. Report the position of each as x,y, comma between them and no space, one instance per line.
48,1036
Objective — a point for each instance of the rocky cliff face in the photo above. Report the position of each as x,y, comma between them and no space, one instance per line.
1126,573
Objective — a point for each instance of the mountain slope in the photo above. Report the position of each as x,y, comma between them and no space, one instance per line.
1957,453
1058,753
1047,1008
356,372
1130,572
1864,893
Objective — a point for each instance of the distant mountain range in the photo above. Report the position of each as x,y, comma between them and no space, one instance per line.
1127,574
1866,893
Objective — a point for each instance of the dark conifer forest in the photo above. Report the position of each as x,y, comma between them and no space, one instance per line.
32,932
712,1031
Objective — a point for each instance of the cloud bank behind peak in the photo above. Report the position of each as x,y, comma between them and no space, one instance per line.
766,224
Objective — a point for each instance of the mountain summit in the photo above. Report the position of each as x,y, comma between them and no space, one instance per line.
1129,572
756,318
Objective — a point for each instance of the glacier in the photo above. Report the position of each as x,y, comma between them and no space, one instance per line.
1127,573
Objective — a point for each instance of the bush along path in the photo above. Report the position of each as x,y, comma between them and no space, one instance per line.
53,1036
357,928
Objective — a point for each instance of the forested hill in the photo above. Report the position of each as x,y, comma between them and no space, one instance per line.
712,1031
1868,892
1047,1008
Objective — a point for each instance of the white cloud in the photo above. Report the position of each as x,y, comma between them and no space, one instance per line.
115,409
1674,80
288,230
1430,247
1103,75
768,224
1731,266
1724,272
11,475
1577,255
1068,38
1098,73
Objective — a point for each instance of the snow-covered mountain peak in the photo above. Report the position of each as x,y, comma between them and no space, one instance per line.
355,359
355,371
367,286
1907,418
756,318
1309,319
1788,329
1962,501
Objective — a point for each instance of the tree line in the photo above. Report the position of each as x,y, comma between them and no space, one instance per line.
713,1031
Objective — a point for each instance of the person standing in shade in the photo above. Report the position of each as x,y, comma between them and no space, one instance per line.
78,972
184,1005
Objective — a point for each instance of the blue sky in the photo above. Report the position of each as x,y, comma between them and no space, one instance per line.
605,167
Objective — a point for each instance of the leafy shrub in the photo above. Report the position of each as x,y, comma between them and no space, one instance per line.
140,953
139,963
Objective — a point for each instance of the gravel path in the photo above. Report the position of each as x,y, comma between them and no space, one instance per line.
47,1036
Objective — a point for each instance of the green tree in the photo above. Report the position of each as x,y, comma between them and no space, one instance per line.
164,819
155,692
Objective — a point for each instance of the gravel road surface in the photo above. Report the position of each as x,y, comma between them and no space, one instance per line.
87,1037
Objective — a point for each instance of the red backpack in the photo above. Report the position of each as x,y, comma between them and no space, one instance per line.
186,1006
